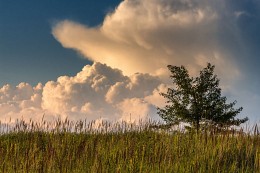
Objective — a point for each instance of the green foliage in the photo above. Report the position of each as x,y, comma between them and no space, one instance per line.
198,101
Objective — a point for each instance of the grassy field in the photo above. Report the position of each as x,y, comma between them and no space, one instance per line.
76,148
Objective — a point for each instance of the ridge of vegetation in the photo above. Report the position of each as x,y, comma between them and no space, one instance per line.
127,148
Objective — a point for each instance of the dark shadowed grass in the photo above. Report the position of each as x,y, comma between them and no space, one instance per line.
82,147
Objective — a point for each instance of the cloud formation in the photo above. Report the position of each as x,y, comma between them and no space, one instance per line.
98,91
22,101
136,41
147,35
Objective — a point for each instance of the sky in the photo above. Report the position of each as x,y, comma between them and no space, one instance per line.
107,59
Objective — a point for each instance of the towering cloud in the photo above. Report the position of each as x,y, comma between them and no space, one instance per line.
147,35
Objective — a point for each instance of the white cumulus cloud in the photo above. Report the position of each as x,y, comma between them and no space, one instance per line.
98,91
21,101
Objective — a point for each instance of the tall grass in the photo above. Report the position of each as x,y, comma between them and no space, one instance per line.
87,147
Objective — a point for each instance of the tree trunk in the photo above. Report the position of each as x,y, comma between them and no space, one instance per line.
198,124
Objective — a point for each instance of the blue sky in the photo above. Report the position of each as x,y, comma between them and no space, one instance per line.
28,51
40,41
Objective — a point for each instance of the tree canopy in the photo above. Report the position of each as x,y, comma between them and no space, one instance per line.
197,101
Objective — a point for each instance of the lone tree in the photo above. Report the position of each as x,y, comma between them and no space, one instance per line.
198,101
